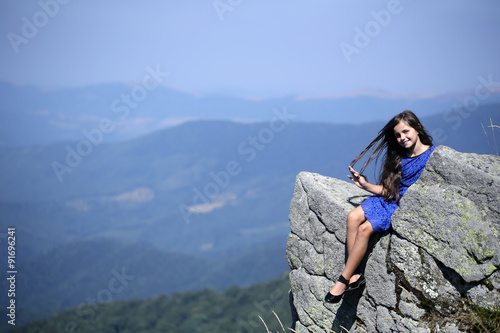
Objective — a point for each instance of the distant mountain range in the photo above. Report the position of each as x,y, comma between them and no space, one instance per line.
35,116
208,198
201,188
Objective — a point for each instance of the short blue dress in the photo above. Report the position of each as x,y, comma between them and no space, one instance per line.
378,211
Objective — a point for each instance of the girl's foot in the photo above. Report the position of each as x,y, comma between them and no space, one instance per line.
355,282
354,278
338,290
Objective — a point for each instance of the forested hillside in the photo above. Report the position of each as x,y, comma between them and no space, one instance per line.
233,310
85,272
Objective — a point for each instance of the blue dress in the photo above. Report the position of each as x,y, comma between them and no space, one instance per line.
378,211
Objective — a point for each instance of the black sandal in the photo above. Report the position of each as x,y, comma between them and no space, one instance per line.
330,298
356,284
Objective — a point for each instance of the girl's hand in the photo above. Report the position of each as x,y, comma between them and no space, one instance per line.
358,179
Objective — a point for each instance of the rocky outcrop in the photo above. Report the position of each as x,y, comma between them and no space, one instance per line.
440,259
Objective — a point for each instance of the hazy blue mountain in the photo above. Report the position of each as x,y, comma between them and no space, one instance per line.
172,189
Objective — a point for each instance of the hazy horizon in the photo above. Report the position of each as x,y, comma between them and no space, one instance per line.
254,49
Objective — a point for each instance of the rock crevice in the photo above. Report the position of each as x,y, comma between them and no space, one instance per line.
440,257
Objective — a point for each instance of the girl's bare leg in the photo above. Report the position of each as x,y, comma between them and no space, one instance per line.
354,219
358,251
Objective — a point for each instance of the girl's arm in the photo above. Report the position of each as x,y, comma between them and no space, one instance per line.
375,189
360,181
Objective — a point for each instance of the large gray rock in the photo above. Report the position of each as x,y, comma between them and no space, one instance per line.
441,258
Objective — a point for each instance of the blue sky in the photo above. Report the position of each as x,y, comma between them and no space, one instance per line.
256,48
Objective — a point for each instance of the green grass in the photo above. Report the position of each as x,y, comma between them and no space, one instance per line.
486,319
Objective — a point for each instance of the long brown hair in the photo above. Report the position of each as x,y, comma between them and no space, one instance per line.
386,144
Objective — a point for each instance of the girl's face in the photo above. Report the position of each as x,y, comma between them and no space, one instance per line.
406,135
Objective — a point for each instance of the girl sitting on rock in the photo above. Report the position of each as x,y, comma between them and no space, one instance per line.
407,148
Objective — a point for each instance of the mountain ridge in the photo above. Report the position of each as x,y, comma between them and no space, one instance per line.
31,115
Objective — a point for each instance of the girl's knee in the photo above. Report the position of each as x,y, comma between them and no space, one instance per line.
356,216
351,216
365,229
354,219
